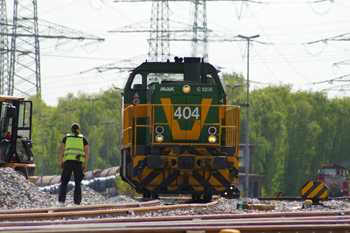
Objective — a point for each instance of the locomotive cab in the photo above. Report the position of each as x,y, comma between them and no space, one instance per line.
179,136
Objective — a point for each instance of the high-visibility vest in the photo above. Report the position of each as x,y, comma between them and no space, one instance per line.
74,149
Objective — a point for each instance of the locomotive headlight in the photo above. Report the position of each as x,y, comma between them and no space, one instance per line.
212,130
212,139
160,129
186,89
159,138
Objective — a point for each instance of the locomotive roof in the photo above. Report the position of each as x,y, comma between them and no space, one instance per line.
176,66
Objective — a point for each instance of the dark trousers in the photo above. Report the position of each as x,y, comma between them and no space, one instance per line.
68,168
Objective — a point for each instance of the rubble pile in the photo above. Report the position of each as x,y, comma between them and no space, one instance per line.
18,193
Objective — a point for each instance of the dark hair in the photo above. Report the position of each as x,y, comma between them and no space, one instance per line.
75,129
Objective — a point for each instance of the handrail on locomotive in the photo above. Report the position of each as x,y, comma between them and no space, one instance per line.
231,124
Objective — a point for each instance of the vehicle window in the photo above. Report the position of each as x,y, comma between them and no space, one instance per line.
6,122
24,120
163,78
210,78
137,82
329,171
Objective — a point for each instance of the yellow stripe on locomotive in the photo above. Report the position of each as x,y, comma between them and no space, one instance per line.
179,137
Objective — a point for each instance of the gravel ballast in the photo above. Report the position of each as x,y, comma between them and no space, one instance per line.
18,193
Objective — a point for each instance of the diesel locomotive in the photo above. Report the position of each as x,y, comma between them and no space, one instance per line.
179,134
336,178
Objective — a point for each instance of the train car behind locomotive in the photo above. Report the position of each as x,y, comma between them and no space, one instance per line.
179,134
336,178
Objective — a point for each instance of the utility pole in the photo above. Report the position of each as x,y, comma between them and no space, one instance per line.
92,140
120,123
120,144
42,154
229,86
70,116
247,154
107,123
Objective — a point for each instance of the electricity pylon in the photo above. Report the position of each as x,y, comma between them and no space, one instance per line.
4,48
159,48
161,34
27,30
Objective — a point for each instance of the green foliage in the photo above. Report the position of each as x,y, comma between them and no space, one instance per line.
234,93
124,188
107,109
300,132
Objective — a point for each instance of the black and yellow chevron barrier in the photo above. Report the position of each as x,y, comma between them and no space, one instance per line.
314,190
279,194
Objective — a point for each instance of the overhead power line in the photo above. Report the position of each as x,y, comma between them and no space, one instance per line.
24,75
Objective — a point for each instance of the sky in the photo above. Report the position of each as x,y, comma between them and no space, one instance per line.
305,43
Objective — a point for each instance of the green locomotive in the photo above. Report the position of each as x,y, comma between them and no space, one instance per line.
179,134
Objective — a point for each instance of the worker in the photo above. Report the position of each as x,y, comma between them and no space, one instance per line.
74,155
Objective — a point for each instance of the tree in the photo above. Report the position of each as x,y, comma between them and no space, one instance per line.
57,125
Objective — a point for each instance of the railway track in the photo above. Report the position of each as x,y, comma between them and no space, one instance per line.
80,219
93,211
307,223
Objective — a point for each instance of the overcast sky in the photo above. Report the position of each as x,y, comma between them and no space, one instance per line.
282,54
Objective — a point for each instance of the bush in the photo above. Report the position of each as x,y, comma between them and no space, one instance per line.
124,188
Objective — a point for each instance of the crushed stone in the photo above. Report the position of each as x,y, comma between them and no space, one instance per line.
18,193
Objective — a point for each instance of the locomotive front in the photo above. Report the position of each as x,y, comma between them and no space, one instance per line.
179,136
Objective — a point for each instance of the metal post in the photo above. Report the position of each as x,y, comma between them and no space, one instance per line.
120,142
42,154
92,136
107,123
229,86
246,161
121,123
70,116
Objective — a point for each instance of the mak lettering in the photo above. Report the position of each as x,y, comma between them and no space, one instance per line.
167,89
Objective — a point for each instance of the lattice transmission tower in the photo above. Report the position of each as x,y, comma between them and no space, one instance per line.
4,48
200,29
160,32
24,75
159,49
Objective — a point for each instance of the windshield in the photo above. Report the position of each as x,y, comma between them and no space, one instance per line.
328,171
164,78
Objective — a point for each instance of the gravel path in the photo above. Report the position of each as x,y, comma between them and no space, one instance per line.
18,193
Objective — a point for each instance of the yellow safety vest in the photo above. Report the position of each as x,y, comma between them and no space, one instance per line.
74,149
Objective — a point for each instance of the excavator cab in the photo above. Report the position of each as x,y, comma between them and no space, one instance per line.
15,136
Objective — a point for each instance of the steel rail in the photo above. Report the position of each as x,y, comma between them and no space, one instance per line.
82,212
208,218
277,225
82,208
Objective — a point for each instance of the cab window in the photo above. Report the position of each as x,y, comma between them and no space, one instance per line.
137,83
164,78
210,79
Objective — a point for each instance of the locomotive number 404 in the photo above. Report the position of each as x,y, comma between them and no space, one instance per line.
187,113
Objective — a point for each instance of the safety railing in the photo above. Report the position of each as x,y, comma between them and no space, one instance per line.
229,114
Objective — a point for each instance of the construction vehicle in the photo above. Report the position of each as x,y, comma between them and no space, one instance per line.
15,136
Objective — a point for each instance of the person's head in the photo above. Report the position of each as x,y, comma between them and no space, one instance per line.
75,129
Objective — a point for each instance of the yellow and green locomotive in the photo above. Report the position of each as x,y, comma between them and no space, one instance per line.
179,135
